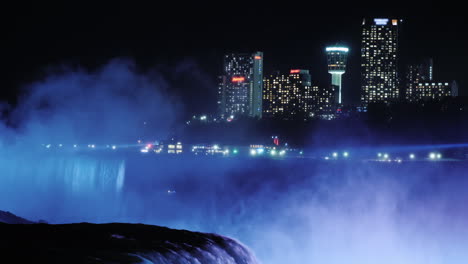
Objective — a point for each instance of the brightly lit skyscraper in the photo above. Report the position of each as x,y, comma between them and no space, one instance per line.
240,88
336,58
379,60
415,74
288,96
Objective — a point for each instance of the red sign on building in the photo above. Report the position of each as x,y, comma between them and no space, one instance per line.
238,79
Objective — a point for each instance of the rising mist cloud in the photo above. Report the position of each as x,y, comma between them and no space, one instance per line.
114,104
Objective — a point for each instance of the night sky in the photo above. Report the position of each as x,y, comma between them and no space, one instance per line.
185,42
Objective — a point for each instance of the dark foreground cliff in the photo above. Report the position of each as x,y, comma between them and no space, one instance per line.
9,218
116,243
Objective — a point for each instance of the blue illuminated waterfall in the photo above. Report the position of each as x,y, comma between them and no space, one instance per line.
61,188
225,251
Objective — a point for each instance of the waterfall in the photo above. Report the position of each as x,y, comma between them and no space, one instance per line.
70,185
222,251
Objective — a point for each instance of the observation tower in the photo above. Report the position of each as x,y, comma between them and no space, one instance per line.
336,58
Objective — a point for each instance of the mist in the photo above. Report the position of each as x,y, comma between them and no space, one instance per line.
286,211
112,104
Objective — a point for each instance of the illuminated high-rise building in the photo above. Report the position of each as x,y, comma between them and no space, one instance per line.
240,90
324,101
434,91
288,96
292,96
427,70
415,74
379,60
421,86
336,58
413,77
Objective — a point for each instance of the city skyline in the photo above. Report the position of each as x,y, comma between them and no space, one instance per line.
198,47
383,80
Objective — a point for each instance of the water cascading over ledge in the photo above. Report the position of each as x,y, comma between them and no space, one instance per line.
70,186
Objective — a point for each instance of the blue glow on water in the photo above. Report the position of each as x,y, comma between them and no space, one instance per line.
288,211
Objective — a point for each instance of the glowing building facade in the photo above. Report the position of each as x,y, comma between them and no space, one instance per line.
293,96
433,91
421,86
336,59
379,60
240,88
325,98
415,74
288,96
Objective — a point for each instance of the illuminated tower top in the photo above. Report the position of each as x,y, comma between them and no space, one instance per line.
336,58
